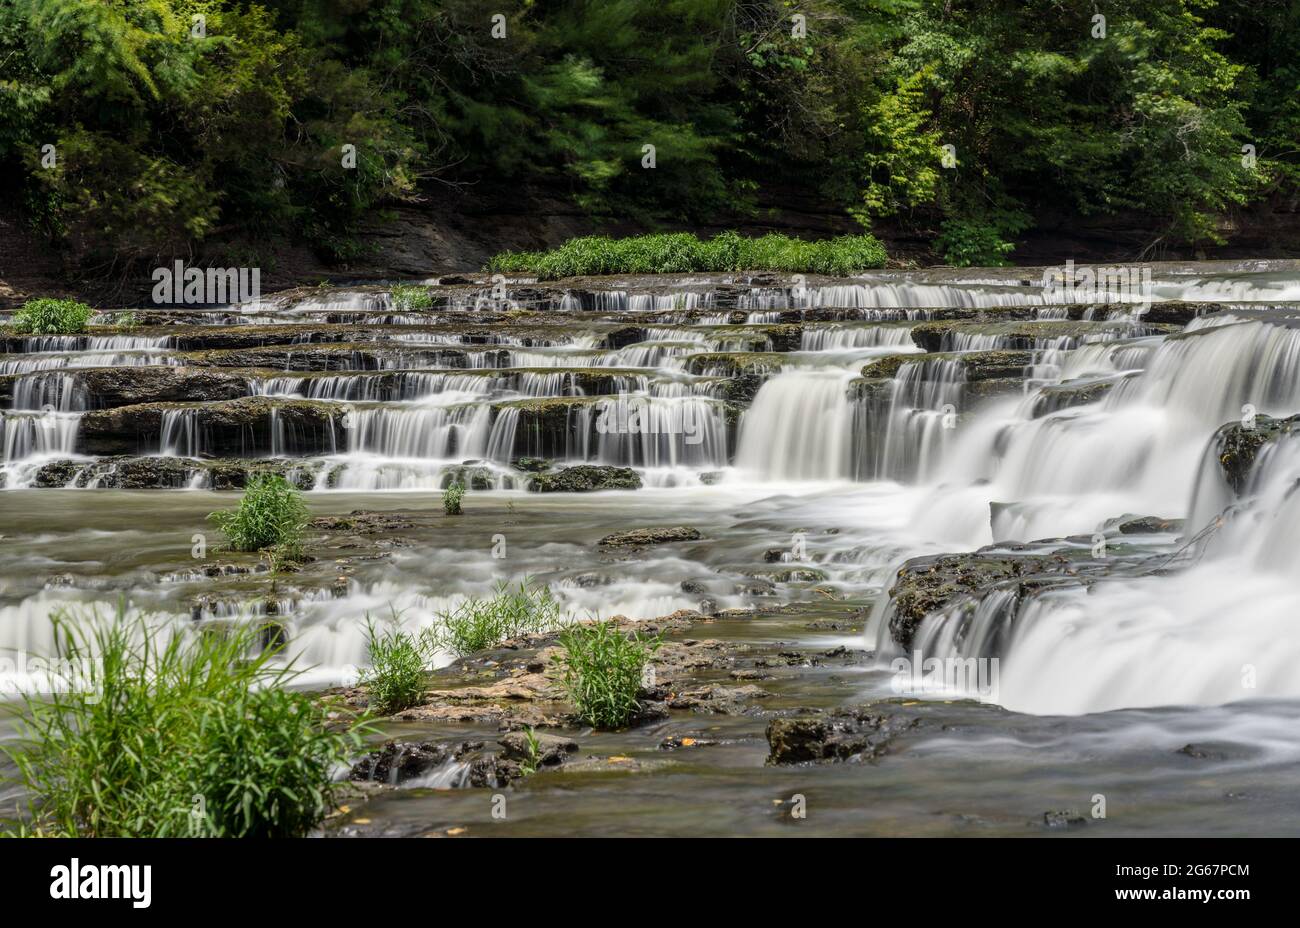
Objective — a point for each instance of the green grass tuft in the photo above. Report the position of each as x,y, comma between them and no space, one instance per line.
681,253
52,317
602,672
451,498
271,514
408,297
177,734
398,663
480,623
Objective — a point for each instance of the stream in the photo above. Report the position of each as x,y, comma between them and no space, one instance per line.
1127,478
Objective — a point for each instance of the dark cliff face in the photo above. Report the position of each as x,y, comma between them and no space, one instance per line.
454,232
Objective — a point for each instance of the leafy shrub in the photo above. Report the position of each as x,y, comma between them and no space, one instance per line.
271,513
398,661
451,498
411,296
480,623
52,317
971,243
602,671
680,253
177,734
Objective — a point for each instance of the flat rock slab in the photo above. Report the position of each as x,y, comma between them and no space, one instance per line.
640,537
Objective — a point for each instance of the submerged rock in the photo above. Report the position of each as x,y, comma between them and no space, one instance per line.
860,733
641,537
397,761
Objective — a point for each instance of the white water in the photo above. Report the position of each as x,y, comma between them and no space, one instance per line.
925,479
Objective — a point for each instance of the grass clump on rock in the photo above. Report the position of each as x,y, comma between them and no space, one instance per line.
480,623
52,317
398,663
408,297
603,672
172,733
271,514
451,498
682,252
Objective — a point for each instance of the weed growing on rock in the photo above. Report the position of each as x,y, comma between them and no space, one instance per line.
408,297
602,671
271,513
398,662
480,623
52,317
451,498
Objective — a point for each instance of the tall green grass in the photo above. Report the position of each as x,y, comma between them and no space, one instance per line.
602,671
52,317
484,622
398,663
682,252
411,297
176,735
271,514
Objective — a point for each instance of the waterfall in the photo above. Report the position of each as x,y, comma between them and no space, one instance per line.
799,428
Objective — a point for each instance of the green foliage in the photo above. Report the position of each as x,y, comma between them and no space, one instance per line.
408,297
602,671
165,140
681,253
479,623
966,243
271,513
451,498
534,760
52,317
398,662
178,734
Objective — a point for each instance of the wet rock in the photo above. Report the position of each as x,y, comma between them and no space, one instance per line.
926,585
108,387
155,473
862,733
1004,336
1238,446
234,428
975,365
792,574
397,761
642,537
585,478
723,700
1151,525
550,751
734,364
1067,818
1070,394
531,465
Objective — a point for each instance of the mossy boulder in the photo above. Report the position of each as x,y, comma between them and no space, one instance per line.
1238,446
585,478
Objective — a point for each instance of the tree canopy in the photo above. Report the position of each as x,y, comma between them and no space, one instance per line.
171,120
